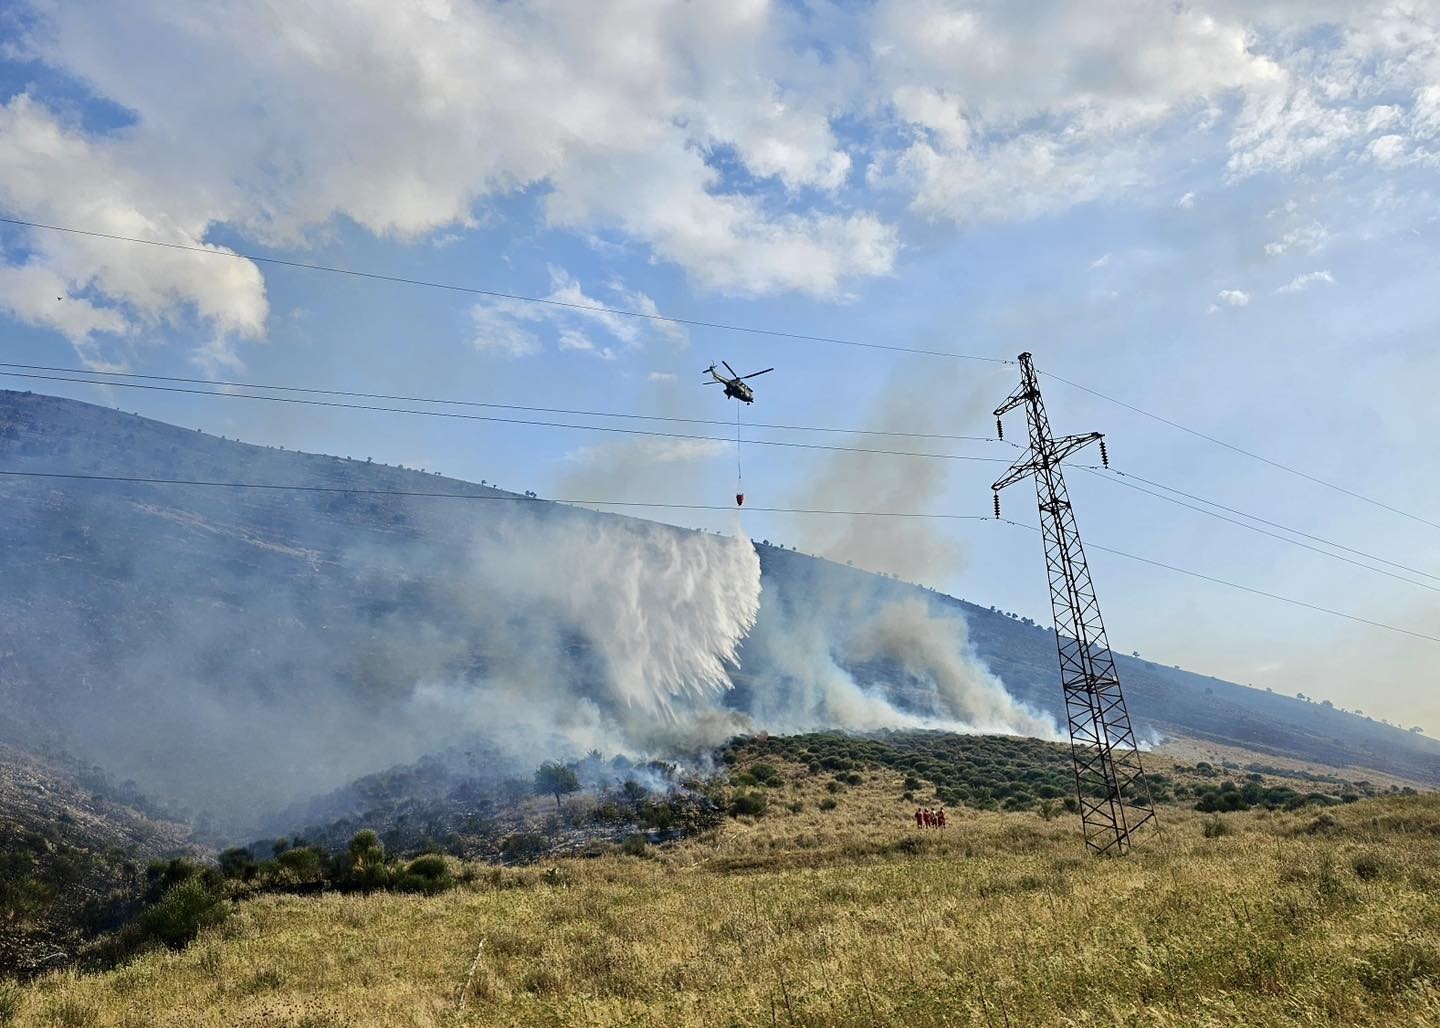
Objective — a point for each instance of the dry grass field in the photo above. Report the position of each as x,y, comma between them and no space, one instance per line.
845,916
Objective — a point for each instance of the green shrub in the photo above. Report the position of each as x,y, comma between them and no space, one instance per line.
428,873
829,803
304,866
363,865
239,863
179,916
765,774
635,845
753,804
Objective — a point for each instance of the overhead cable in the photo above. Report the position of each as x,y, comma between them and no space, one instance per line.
487,404
145,480
496,294
509,421
1247,453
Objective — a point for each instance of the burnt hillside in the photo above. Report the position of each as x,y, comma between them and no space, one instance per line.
258,646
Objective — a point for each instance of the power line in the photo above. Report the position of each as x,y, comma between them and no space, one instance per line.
508,421
281,487
719,326
762,442
1247,453
485,404
1261,531
1245,588
495,294
1256,518
503,497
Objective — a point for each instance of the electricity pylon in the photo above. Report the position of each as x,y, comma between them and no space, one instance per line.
1110,784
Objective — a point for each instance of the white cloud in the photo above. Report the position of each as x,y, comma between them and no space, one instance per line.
706,135
661,376
49,171
409,118
1100,262
1304,281
38,294
509,327
1186,202
1233,297
497,328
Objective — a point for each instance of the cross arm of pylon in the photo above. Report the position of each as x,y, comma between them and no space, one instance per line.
1066,445
1024,466
1019,396
1027,464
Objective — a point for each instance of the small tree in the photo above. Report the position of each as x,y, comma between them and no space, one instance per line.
555,779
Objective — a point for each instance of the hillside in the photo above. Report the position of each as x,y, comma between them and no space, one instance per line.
236,651
833,908
70,840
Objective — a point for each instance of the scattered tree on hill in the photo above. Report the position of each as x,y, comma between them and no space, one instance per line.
555,779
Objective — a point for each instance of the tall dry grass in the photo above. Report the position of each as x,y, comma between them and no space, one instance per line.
847,917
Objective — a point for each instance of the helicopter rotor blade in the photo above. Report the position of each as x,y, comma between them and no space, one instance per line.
754,373
732,370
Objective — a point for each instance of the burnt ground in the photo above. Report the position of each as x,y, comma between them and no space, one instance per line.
69,847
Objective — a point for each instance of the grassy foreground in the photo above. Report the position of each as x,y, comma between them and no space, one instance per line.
846,916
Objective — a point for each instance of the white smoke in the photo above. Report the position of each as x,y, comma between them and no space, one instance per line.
664,610
835,655
626,636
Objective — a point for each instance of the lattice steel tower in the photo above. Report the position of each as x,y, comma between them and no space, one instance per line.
1109,781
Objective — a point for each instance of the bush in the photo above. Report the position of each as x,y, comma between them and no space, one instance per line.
179,916
765,774
238,863
9,1002
522,846
428,873
635,845
753,804
1215,827
1369,866
828,803
363,865
304,866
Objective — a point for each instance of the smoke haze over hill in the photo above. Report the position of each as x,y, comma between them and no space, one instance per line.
237,650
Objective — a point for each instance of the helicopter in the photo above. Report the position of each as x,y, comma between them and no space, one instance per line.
735,387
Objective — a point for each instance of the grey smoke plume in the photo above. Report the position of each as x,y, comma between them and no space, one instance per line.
913,549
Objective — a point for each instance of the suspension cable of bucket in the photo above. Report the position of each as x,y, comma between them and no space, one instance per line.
736,388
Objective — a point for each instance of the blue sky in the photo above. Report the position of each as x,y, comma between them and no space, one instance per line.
1222,212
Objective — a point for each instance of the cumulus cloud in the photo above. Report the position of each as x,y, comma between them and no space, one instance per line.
707,136
1020,110
411,118
1232,297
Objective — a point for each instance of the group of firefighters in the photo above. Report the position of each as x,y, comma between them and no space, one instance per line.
926,818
